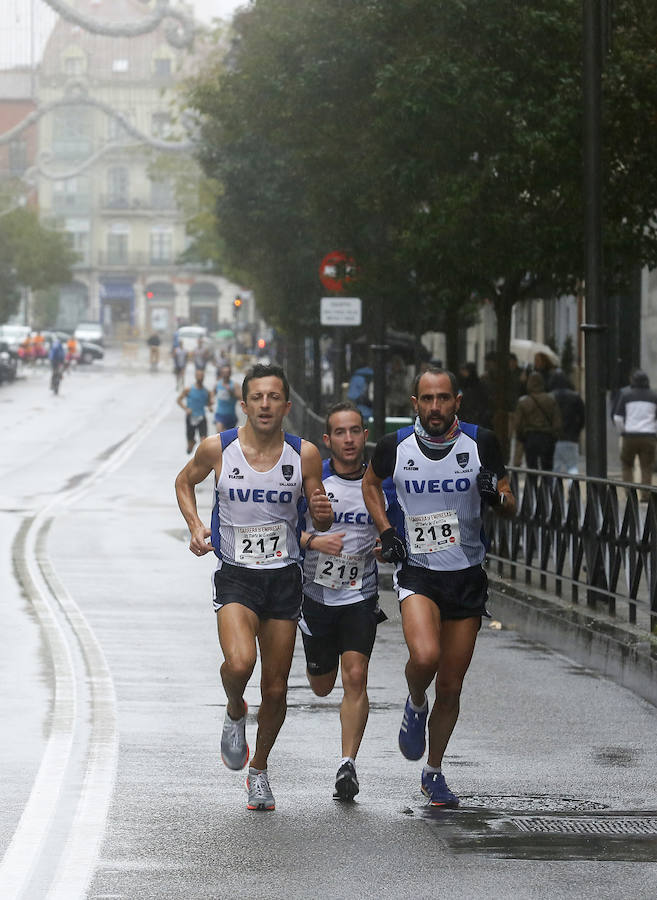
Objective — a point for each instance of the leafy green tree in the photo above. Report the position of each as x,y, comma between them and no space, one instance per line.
439,142
31,255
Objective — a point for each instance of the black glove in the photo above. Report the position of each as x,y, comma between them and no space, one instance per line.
393,549
487,484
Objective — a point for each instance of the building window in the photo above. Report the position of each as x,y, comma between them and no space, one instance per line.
161,125
161,246
120,65
162,67
118,180
77,231
71,133
117,248
74,65
17,156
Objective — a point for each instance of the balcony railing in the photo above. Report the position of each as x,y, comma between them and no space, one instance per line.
593,538
132,260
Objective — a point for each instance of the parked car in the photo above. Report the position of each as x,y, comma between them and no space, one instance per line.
89,331
14,335
89,351
8,362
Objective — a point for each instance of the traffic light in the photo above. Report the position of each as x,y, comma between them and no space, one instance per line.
149,295
237,302
262,343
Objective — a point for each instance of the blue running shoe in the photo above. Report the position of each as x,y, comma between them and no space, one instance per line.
435,788
412,734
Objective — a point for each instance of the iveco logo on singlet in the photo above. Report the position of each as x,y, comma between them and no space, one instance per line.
259,495
437,486
350,518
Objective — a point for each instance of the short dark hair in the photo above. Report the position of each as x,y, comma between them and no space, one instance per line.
262,371
342,406
435,370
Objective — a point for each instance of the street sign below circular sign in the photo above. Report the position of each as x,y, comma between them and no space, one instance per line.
337,270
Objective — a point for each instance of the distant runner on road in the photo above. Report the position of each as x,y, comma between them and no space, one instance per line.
195,400
262,475
443,470
340,609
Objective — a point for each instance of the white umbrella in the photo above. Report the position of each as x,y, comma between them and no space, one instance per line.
525,351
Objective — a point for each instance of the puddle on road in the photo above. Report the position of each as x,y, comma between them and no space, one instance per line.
544,828
617,757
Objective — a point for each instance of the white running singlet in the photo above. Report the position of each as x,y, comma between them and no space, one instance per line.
440,503
351,576
256,515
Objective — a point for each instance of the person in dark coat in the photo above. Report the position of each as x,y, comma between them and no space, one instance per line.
571,406
538,424
475,403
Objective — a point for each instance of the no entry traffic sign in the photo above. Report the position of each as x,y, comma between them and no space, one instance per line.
337,270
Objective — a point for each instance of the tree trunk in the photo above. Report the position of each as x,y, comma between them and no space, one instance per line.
452,330
503,306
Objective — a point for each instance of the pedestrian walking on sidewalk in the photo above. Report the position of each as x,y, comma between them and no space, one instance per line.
538,424
443,472
635,417
340,610
571,407
261,476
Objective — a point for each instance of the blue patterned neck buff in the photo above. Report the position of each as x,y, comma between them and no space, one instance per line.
435,441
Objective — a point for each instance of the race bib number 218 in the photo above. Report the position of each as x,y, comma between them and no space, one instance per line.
433,532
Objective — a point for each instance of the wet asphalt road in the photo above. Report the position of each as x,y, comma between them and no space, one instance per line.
555,766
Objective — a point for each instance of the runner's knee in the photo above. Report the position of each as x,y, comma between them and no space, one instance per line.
274,691
354,677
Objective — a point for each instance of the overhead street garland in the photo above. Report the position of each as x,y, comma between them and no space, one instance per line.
178,35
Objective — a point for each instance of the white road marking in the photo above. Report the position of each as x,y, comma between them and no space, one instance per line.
76,865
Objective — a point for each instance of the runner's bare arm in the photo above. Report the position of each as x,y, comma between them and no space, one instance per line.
319,505
375,499
325,543
182,396
206,459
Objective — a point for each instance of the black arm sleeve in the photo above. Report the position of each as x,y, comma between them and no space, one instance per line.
490,452
383,458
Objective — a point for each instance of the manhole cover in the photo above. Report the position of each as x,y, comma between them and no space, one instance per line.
518,804
592,825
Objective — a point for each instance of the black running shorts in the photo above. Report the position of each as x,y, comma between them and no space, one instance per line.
201,427
461,594
270,593
334,629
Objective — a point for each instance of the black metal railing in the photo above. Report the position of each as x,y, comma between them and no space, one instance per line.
592,537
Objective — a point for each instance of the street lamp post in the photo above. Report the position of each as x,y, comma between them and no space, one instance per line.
595,327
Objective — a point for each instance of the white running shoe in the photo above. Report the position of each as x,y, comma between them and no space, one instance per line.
234,749
260,795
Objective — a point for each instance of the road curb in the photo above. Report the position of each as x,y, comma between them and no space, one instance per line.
618,652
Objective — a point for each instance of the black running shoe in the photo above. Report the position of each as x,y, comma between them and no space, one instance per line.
346,782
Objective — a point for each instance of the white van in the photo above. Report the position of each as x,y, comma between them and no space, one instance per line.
89,331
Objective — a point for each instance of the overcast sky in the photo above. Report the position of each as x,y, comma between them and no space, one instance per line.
20,18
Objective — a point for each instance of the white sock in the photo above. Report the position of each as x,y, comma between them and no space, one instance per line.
346,759
253,771
432,770
415,708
